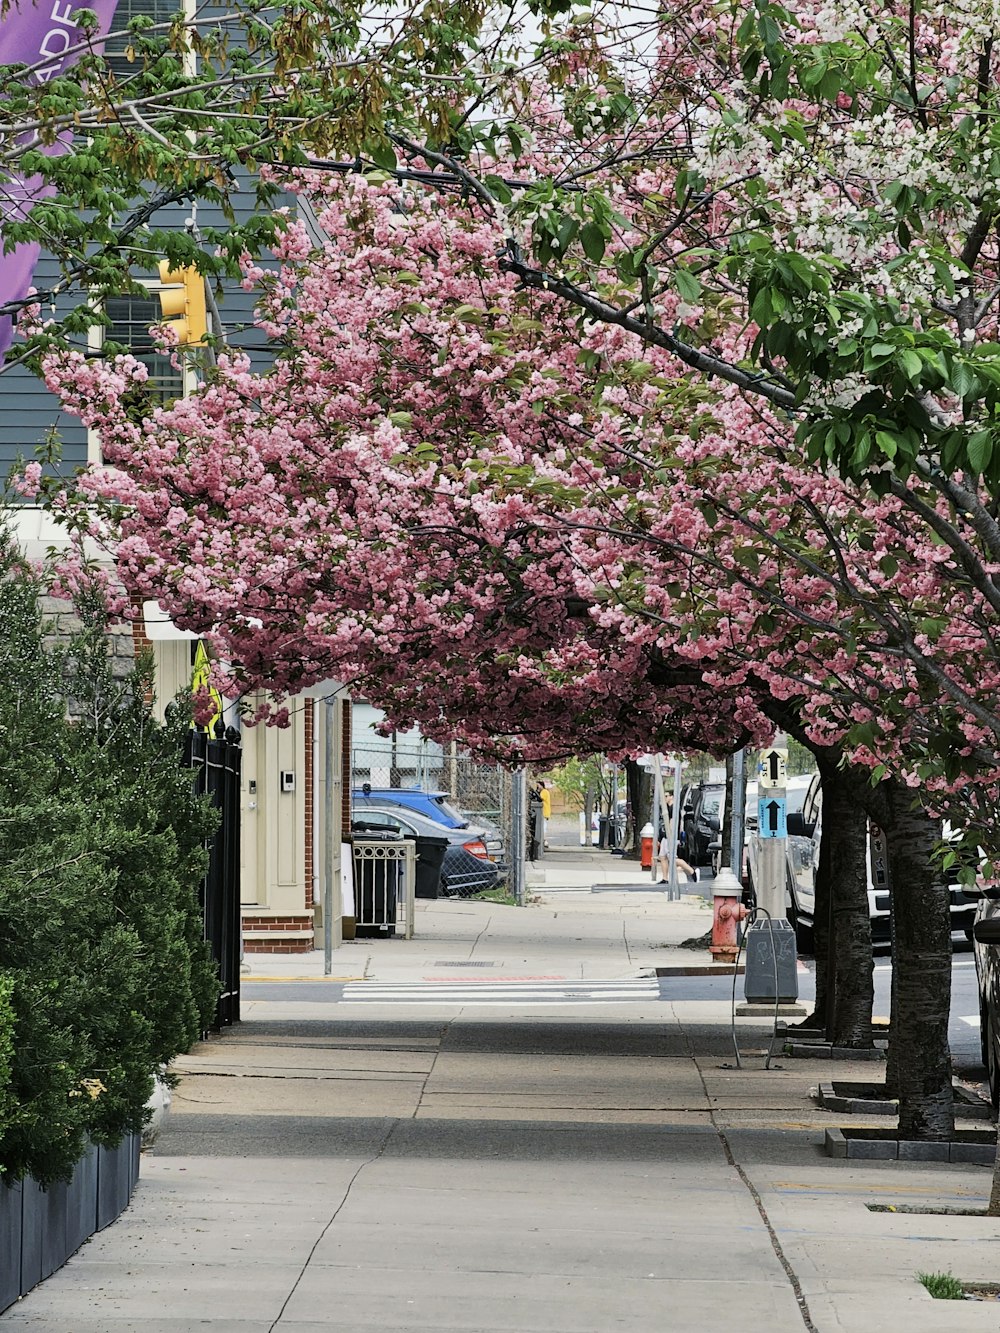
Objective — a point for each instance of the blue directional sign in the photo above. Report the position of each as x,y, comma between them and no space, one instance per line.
771,821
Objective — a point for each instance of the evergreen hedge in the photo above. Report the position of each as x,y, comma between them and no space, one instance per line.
104,974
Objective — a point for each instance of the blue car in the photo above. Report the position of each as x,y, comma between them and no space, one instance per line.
432,805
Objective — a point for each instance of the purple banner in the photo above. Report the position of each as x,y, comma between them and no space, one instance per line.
46,37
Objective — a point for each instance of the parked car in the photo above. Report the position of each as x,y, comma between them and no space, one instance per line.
986,937
701,820
805,828
466,868
433,805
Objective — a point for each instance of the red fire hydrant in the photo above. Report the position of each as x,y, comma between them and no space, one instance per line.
646,847
727,913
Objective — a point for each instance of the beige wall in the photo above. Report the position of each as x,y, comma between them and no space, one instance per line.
273,821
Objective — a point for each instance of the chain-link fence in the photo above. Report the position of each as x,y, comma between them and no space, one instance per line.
482,791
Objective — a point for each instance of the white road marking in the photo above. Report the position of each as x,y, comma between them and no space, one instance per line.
501,993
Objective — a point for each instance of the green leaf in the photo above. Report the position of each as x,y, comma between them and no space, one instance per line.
910,364
688,286
625,265
770,33
964,381
499,189
566,234
980,450
761,312
887,443
383,155
593,241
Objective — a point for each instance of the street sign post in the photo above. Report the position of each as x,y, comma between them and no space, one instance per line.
771,972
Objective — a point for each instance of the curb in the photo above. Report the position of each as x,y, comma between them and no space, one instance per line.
967,1106
702,970
977,1146
822,1050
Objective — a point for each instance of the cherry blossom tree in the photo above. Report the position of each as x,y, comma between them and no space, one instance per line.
440,489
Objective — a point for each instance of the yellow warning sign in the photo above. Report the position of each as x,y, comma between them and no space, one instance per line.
201,680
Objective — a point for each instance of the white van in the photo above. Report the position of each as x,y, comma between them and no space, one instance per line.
802,861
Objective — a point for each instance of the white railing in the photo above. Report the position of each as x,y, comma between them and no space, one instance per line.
385,876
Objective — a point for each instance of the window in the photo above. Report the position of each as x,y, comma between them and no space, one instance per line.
160,11
378,819
130,318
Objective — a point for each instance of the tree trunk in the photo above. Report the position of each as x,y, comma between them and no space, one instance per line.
822,1016
845,828
922,971
994,1207
640,800
892,1054
844,972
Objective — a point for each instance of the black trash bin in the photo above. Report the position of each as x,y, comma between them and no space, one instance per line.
602,830
430,858
376,884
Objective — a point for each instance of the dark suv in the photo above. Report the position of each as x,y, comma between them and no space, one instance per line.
986,933
701,820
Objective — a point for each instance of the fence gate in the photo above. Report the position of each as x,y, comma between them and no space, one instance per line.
481,790
215,761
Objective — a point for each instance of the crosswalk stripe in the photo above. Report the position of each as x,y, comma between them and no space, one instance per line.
501,993
525,983
971,1019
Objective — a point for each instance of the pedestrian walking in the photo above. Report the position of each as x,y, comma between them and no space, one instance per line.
535,823
663,847
545,796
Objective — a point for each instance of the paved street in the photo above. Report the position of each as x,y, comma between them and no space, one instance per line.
510,1125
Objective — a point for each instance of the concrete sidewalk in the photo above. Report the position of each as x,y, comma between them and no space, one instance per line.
590,885
549,1161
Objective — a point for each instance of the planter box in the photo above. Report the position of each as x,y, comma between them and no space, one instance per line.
10,1243
871,1099
41,1228
823,1050
884,1145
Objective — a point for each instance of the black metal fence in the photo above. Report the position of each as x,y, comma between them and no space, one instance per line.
215,761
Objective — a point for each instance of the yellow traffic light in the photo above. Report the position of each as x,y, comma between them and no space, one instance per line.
182,300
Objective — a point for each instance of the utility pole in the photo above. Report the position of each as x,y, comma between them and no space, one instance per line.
518,833
737,818
329,814
772,829
670,819
656,820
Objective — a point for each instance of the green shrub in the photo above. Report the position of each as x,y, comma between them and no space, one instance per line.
6,1049
101,949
